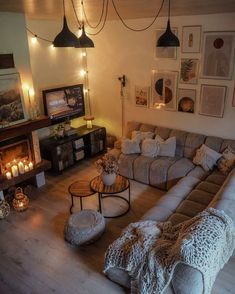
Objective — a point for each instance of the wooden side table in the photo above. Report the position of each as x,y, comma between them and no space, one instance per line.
80,189
121,184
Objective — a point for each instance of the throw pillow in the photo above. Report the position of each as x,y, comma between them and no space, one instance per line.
149,148
206,157
166,147
140,136
129,146
227,161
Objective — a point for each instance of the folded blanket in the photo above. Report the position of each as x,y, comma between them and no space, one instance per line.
149,251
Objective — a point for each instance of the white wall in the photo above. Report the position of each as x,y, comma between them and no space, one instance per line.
119,51
13,39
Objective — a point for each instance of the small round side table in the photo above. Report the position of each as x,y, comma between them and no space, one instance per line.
80,189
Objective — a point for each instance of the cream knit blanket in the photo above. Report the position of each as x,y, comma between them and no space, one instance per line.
149,250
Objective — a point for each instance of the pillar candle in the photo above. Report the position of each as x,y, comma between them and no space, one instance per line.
21,167
8,175
26,168
14,170
30,165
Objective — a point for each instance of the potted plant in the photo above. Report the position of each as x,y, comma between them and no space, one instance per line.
108,167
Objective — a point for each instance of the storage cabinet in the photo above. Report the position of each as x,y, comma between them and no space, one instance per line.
67,151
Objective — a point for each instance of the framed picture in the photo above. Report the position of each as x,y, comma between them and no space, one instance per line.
165,52
212,100
186,100
191,41
164,86
141,96
218,55
12,109
189,71
233,103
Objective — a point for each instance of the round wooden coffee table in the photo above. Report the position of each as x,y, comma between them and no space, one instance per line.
80,189
121,184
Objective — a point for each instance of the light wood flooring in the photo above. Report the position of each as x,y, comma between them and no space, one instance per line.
35,259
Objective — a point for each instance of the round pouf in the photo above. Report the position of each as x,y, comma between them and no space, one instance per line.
84,227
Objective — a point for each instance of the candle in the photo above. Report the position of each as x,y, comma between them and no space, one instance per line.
8,165
14,170
8,175
21,167
26,168
30,165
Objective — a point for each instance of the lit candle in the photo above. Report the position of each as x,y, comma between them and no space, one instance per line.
14,170
8,165
21,167
30,165
8,175
26,168
89,124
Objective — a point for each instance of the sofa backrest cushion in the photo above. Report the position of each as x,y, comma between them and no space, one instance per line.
131,126
164,133
180,141
147,128
192,143
213,143
227,143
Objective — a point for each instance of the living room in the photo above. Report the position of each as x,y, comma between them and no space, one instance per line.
34,255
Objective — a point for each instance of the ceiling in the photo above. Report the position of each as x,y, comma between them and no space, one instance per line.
52,9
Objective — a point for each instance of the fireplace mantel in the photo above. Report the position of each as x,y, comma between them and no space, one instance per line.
24,128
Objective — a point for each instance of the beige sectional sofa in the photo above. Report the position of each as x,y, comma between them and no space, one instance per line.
190,190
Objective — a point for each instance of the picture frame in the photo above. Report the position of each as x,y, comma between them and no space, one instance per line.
186,101
141,96
165,52
218,55
164,89
12,107
191,39
212,100
189,71
233,101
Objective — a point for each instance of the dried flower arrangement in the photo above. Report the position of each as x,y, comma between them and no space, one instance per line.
108,164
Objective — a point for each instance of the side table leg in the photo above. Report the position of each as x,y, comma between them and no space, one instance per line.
71,204
100,208
81,202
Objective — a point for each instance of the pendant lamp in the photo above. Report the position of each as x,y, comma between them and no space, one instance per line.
84,40
168,39
65,38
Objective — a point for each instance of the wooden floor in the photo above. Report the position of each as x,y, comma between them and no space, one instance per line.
35,259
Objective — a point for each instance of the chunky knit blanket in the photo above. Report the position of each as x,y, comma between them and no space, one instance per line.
149,251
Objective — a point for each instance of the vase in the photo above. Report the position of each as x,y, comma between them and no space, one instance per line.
108,179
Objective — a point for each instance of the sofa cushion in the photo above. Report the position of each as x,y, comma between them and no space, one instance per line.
158,171
126,165
149,148
163,132
178,170
140,136
141,166
208,187
166,147
180,141
147,128
190,208
192,143
206,157
157,213
214,143
177,218
198,172
131,126
216,177
200,197
130,146
227,143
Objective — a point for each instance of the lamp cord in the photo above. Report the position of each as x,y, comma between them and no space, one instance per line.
138,30
169,9
74,10
101,15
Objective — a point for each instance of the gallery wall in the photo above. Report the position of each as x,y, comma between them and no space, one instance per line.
119,51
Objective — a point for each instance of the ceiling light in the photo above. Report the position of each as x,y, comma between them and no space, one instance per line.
65,38
84,40
168,39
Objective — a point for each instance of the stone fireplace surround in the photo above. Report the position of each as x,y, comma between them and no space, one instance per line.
20,143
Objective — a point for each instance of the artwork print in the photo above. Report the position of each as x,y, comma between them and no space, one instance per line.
218,55
191,42
186,100
141,96
189,71
165,52
164,86
11,100
212,100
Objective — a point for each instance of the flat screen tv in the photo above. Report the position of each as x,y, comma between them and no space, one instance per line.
65,102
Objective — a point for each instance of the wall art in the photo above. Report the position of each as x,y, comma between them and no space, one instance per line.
12,109
164,86
186,100
141,96
233,103
212,100
191,41
165,52
218,55
189,71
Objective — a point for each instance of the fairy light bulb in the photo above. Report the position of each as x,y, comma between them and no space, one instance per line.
34,39
25,87
83,72
52,47
83,54
31,92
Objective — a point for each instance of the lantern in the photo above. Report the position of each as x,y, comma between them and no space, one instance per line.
4,209
21,201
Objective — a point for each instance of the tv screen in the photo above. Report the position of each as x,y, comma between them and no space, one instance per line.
64,102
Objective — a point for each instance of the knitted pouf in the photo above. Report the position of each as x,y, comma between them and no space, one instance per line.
84,227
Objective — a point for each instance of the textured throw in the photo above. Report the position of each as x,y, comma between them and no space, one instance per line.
149,251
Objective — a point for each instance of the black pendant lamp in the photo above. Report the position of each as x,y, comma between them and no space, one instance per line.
65,38
168,39
84,40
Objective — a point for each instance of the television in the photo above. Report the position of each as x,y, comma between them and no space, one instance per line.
64,103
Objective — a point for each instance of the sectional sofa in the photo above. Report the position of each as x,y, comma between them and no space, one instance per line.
191,189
